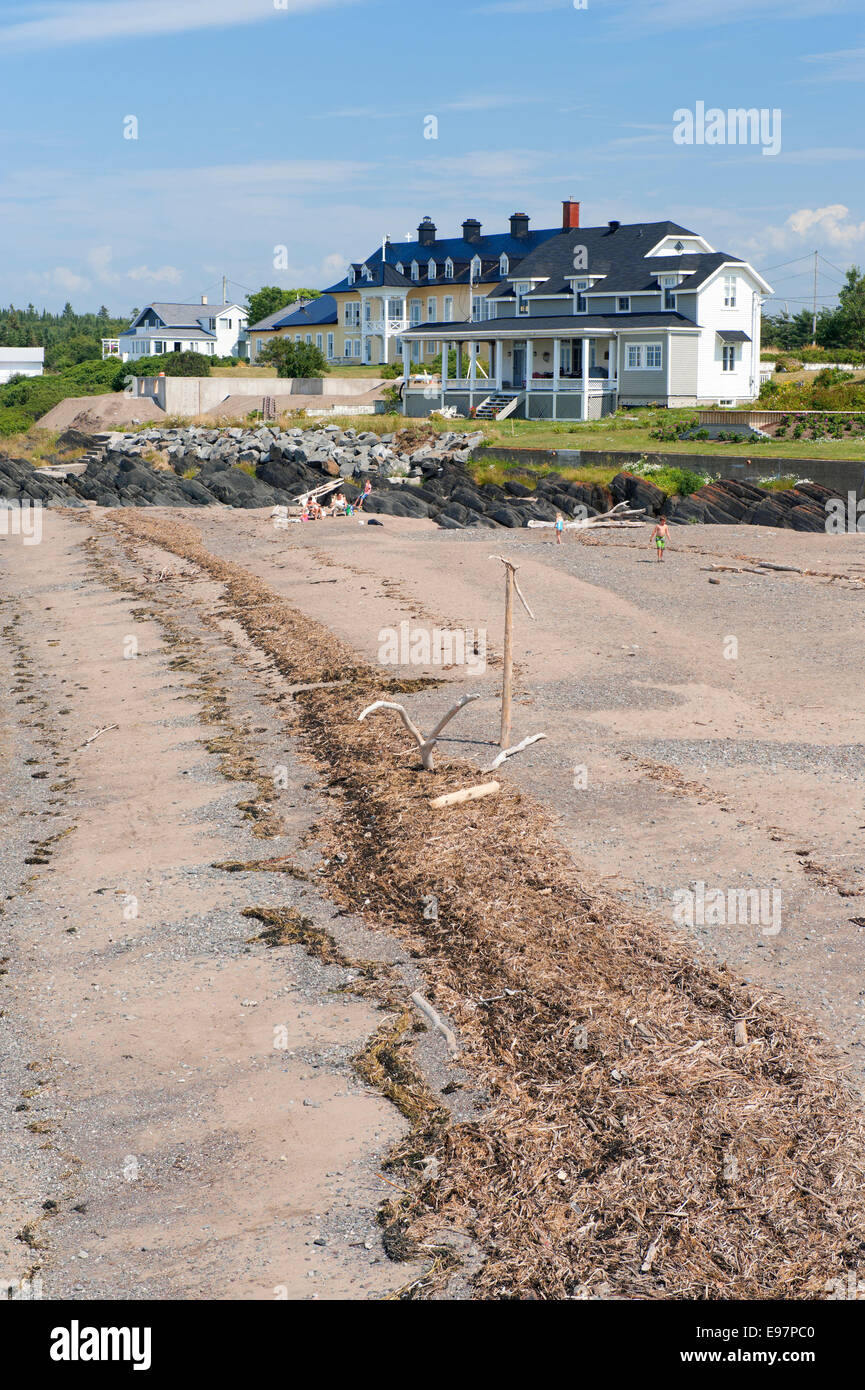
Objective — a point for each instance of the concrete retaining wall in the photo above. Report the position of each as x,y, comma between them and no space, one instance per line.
193,395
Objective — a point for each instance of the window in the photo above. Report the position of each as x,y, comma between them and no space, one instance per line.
415,309
504,264
449,269
367,311
415,270
728,363
366,272
212,325
624,303
309,338
520,291
729,291
357,347
449,308
298,337
319,341
352,314
415,352
399,267
669,299
633,357
432,270
350,276
395,308
330,345
158,348
476,267
431,310
580,305
654,357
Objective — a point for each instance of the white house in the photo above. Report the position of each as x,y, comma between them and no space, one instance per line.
215,330
21,361
600,317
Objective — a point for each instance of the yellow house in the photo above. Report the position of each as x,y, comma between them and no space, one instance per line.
406,284
314,322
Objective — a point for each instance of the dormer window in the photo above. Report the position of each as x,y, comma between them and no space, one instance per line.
679,246
580,304
432,270
399,267
367,273
476,266
351,275
415,270
504,264
449,269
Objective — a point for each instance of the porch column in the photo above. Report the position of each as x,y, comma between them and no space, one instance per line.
530,366
557,366
498,347
614,361
585,378
473,367
445,348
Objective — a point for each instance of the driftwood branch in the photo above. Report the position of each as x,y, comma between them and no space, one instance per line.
620,515
513,568
508,752
99,732
426,745
429,1013
467,794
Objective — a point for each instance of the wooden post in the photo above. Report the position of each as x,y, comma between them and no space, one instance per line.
508,673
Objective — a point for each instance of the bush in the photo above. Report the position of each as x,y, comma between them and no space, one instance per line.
171,363
294,359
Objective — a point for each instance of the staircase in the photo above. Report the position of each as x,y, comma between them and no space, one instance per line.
497,406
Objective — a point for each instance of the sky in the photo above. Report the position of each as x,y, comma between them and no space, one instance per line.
149,147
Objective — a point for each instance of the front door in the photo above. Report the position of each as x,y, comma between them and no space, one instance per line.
519,368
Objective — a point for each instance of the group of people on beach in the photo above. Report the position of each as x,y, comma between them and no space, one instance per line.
313,510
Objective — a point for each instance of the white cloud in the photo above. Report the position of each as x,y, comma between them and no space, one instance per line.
165,275
846,65
832,223
85,21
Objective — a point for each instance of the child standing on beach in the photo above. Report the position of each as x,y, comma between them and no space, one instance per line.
560,526
660,536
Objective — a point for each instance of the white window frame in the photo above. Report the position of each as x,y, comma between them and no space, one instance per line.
651,350
728,357
449,269
477,267
357,347
504,264
730,287
350,276
432,270
431,309
623,304
581,304
415,270
634,357
399,267
330,345
319,341
520,291
415,310
448,308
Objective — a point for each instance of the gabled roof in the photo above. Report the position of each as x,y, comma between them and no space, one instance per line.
457,249
318,312
616,261
186,315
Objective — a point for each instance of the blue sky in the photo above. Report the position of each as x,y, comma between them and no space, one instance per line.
264,123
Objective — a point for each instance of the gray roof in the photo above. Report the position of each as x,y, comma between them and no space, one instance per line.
176,330
558,326
181,315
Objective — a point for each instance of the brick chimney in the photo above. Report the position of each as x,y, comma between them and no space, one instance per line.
204,299
426,232
471,229
570,214
519,224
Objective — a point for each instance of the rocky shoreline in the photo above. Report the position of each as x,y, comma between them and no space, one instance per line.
411,476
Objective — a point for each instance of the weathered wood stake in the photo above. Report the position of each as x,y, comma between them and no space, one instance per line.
508,674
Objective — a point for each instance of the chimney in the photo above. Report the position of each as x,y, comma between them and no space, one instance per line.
426,232
570,215
204,299
471,229
614,226
519,225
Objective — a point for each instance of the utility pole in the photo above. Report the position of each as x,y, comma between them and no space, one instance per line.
814,311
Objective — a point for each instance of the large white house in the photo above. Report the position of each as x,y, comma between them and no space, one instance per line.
598,317
21,361
215,330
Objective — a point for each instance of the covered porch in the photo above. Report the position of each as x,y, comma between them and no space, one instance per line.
568,376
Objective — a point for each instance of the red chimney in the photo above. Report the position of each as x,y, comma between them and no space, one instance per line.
570,215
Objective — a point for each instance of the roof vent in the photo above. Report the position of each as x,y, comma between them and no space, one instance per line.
614,226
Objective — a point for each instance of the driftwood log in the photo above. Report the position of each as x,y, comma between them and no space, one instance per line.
426,745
